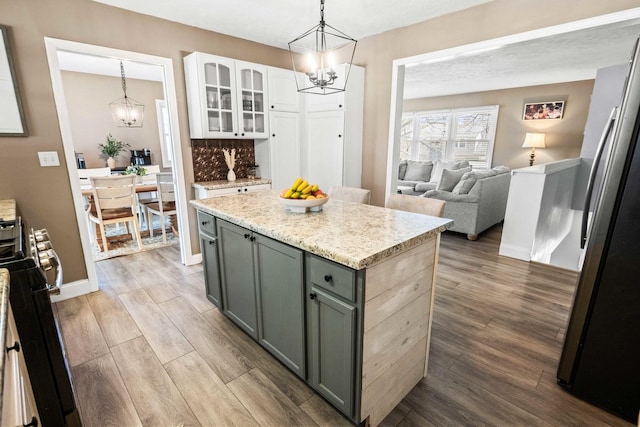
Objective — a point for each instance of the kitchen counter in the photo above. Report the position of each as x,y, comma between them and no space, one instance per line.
7,210
356,235
223,183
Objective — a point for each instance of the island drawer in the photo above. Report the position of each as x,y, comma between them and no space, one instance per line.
206,223
333,277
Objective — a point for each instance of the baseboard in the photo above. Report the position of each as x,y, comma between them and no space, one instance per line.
72,290
515,252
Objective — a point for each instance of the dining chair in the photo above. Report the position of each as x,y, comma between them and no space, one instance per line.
416,204
166,204
147,197
114,198
350,194
84,175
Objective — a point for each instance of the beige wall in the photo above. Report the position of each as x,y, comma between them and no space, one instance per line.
88,97
563,137
44,195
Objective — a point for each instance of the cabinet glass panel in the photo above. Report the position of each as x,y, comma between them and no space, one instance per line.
211,74
225,76
259,123
227,121
247,101
212,97
258,102
225,99
213,121
258,80
247,122
245,78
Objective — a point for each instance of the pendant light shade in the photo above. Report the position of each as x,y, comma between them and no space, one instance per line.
315,54
126,112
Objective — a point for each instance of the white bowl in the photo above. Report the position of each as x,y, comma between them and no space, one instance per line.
303,205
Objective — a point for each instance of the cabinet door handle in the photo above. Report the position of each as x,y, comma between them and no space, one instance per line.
246,189
15,346
252,238
204,222
273,106
312,295
235,134
339,105
239,190
327,278
33,423
212,242
273,134
242,134
339,135
246,235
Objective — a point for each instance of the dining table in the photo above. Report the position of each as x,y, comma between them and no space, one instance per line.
142,187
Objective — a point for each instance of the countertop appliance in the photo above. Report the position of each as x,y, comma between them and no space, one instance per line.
601,353
141,157
35,273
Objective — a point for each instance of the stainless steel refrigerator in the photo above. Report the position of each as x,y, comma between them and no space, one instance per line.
600,361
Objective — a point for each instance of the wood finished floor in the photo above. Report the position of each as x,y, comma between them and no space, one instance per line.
150,349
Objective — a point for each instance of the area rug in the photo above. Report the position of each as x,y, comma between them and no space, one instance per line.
130,246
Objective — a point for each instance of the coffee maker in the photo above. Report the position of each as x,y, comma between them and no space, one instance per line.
80,161
141,157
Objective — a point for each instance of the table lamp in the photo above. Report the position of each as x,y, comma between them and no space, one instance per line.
533,140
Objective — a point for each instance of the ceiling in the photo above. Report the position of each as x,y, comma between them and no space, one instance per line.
572,56
262,20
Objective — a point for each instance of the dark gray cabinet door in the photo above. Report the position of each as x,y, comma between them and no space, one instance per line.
209,247
237,276
331,326
279,269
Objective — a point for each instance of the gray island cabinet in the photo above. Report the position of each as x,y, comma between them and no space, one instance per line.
342,297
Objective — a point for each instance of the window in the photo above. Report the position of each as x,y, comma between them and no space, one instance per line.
164,131
450,135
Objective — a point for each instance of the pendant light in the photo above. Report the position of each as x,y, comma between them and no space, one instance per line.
126,112
314,53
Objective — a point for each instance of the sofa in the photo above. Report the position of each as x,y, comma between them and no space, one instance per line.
417,177
477,201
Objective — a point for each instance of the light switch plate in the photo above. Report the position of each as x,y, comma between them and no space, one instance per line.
48,158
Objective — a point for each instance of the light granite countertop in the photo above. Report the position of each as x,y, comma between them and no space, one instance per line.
351,234
7,210
240,182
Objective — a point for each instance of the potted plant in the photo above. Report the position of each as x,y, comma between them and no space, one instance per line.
136,170
112,149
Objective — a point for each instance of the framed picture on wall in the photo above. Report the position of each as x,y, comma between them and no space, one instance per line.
12,121
549,110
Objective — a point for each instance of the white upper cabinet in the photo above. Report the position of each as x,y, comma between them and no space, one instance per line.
283,92
225,98
251,81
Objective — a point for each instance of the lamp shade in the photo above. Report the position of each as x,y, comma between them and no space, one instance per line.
533,140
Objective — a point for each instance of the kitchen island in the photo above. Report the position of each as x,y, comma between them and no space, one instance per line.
343,297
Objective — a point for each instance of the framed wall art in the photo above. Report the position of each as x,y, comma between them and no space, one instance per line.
12,122
549,110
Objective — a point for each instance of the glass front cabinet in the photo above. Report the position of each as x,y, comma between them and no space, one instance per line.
225,98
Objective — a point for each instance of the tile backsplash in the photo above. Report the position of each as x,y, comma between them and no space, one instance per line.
208,158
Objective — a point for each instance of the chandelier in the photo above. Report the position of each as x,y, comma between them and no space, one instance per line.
126,112
314,53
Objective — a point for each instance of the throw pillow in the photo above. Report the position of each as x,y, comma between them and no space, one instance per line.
485,173
465,184
501,169
438,167
418,171
461,164
450,178
402,169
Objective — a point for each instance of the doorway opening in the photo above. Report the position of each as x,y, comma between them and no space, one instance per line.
163,67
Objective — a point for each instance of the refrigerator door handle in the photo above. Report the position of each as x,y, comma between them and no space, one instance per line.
592,175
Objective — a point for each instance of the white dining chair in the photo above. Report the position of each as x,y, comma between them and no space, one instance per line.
147,197
166,204
114,198
416,204
84,175
350,194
